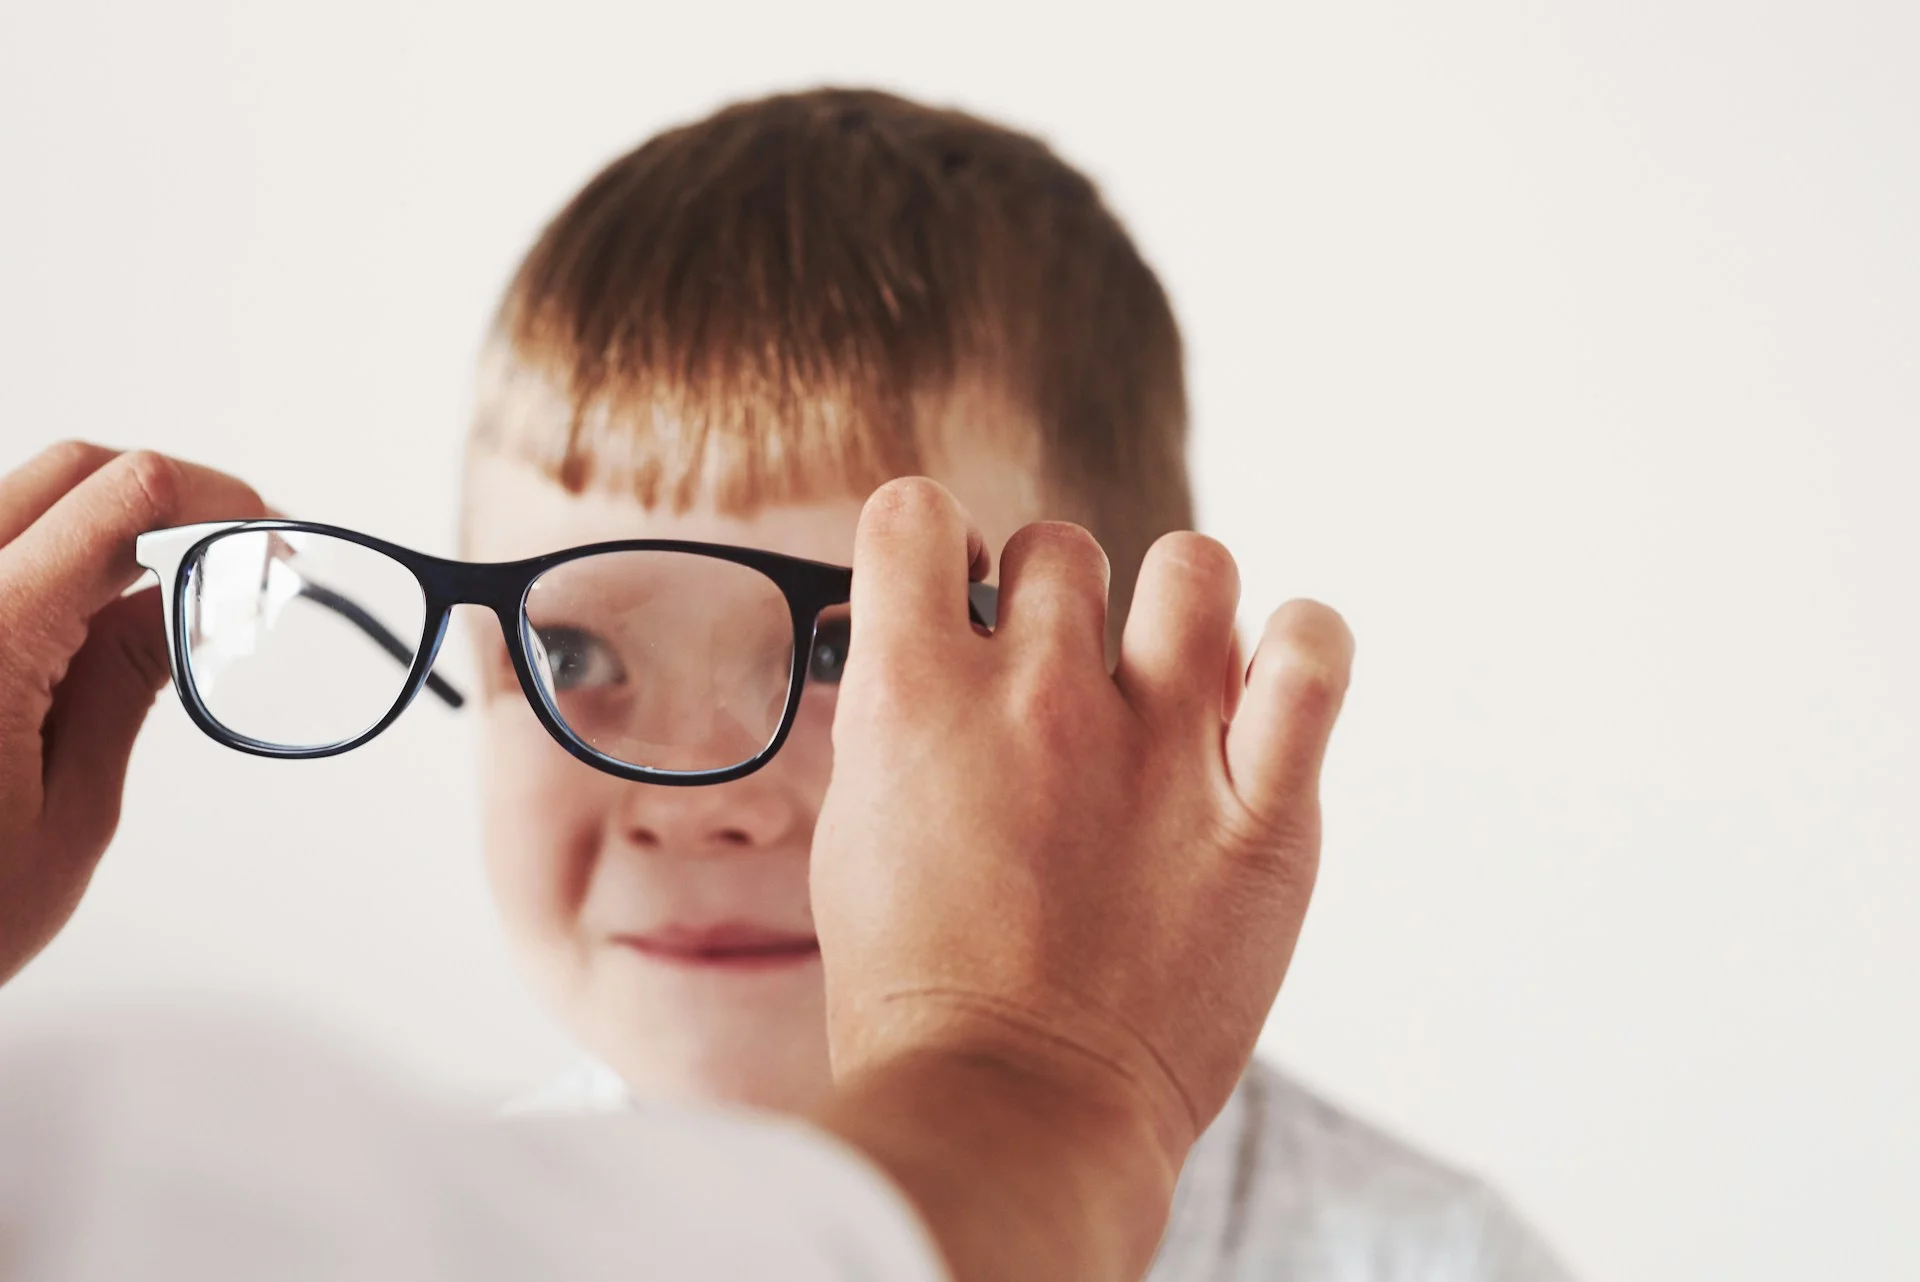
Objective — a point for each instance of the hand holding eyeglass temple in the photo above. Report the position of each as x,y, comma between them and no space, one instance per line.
657,660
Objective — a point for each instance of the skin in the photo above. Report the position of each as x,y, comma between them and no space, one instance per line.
81,664
582,862
1034,873
1054,901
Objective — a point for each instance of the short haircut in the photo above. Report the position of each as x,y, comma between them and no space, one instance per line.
787,299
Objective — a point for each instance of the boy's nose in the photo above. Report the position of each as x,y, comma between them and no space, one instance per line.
747,814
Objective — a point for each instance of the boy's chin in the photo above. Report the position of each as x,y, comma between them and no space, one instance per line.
770,1064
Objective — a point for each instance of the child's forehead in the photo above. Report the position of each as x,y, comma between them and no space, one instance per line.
512,508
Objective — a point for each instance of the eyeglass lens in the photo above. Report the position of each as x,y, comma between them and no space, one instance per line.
297,639
668,660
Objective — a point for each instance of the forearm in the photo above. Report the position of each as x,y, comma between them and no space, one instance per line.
1018,1180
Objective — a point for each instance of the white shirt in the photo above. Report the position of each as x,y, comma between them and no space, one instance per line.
173,1149
1283,1187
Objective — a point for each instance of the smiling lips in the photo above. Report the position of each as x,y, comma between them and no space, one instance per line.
727,946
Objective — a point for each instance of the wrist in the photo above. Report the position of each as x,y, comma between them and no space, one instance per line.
1018,1172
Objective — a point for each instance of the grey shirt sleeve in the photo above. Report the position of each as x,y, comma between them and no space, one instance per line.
1287,1187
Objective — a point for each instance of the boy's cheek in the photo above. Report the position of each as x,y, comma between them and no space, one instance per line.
807,757
543,819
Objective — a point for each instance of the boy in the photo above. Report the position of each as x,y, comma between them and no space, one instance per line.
734,334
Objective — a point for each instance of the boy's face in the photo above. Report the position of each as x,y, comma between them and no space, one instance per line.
670,927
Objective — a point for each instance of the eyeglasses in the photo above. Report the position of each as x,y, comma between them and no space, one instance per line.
651,659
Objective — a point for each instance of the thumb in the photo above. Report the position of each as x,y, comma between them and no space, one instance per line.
1278,737
97,711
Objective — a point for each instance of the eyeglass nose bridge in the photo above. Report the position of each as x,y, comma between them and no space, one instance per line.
445,584
499,588
441,599
494,586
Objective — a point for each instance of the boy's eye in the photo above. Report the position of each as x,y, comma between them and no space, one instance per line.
579,660
829,656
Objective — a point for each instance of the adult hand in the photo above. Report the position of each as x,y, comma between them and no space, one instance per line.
80,663
1055,902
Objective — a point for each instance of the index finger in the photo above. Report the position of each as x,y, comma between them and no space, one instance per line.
914,554
78,556
43,480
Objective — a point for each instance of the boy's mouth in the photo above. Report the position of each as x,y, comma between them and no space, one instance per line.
726,945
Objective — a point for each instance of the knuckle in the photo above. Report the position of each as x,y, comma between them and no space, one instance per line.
1055,723
1050,737
154,485
1061,641
881,689
1061,553
1055,699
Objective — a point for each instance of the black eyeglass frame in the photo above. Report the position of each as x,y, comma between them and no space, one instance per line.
502,587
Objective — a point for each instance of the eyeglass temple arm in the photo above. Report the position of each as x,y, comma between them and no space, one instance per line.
983,603
353,612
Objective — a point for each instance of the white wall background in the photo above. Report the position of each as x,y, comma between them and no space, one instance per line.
1570,349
